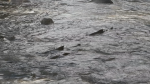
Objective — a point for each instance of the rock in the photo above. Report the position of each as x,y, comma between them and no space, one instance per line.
26,1
77,45
94,79
148,25
60,48
111,28
47,21
11,38
33,75
8,37
66,54
102,1
97,32
1,37
3,15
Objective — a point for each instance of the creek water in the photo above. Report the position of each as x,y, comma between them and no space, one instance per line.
73,50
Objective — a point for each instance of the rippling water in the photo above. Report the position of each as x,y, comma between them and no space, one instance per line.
17,2
115,54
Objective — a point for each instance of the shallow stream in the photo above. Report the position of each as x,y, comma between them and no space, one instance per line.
89,43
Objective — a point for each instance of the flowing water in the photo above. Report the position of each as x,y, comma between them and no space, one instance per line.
90,42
